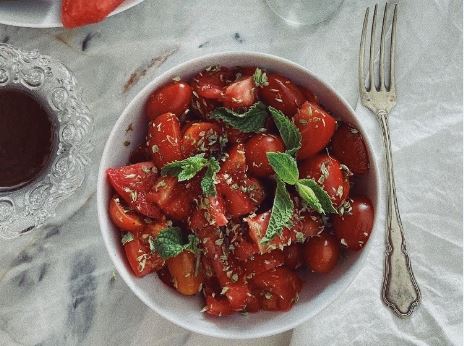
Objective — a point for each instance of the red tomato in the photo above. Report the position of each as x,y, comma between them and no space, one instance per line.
256,149
240,94
186,279
82,12
152,229
293,256
327,172
140,259
164,139
123,218
132,183
241,197
257,227
316,127
270,302
321,253
173,98
172,197
218,306
264,262
349,148
210,83
253,304
237,294
282,282
355,226
235,163
244,249
201,137
211,211
282,94
245,71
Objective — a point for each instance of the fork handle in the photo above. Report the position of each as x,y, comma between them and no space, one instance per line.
400,291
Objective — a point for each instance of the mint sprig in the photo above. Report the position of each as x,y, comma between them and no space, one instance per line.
169,243
260,78
284,166
286,170
208,185
319,192
288,131
251,121
281,213
188,168
185,169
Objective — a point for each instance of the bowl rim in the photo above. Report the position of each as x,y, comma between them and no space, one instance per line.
101,181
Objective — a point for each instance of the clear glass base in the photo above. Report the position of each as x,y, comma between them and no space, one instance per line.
304,12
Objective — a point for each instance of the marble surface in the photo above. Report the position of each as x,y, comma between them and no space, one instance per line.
58,286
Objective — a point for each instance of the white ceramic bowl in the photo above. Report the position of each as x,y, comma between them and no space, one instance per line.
318,290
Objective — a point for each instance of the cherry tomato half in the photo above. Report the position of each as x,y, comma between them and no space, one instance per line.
321,253
327,172
316,127
123,218
172,98
349,148
355,226
282,94
255,151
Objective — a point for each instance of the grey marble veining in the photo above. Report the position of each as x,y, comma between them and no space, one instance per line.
58,286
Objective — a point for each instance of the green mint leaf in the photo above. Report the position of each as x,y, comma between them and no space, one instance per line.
285,167
168,243
260,78
281,213
126,238
322,196
207,183
185,169
309,197
288,131
251,121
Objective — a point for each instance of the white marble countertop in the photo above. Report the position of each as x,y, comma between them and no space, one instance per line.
57,285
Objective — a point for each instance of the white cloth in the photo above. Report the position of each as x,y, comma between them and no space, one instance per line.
56,286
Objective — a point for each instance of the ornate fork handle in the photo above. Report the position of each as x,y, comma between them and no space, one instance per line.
400,291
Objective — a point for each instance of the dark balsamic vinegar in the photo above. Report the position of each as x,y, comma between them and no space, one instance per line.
26,138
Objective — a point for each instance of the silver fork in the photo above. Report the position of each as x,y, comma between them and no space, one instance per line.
400,291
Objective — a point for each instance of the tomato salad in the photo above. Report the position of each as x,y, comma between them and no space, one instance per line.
243,181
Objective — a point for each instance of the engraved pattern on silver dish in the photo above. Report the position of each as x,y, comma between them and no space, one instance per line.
54,86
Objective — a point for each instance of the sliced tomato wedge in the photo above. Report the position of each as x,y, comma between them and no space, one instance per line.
240,94
282,94
141,261
123,218
264,262
201,137
132,183
164,139
282,282
172,198
235,162
210,83
76,13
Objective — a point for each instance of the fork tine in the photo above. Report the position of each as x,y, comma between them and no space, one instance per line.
392,51
382,51
362,51
371,51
